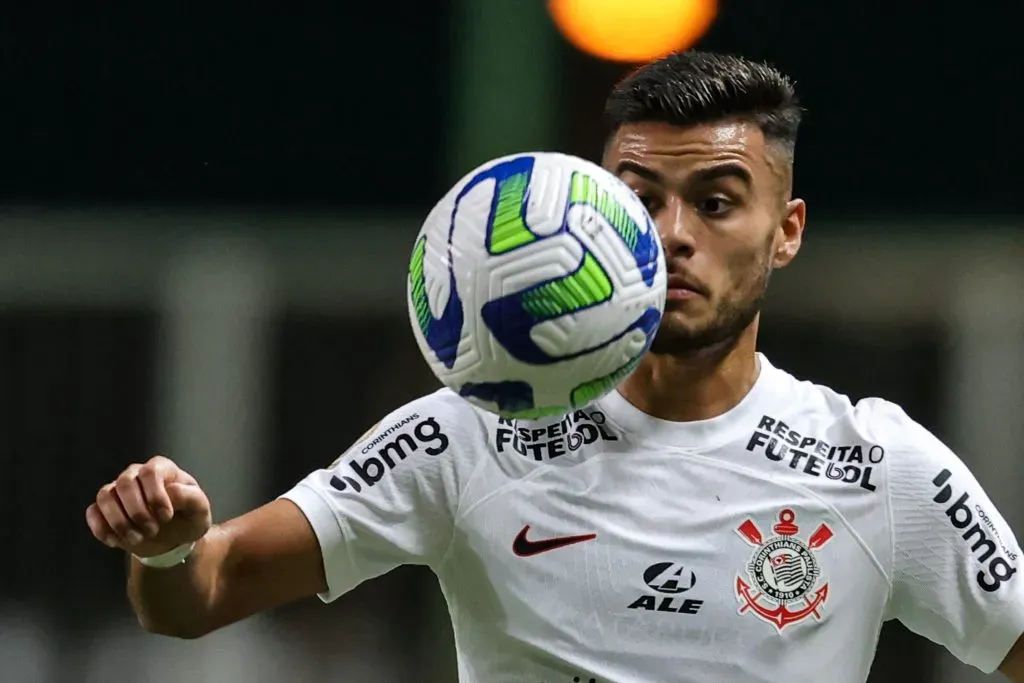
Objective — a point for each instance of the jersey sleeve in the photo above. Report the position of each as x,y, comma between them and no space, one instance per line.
955,559
391,499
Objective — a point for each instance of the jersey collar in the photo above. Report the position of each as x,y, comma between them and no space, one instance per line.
699,434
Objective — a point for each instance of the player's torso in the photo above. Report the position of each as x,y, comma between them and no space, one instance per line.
586,555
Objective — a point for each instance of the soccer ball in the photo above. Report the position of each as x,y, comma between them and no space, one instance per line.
536,285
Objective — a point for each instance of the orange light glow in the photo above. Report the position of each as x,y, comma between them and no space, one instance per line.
632,30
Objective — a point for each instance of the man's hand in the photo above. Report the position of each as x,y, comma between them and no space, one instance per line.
150,509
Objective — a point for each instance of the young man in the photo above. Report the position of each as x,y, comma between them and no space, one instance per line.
715,519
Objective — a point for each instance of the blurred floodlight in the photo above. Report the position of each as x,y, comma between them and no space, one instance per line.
632,30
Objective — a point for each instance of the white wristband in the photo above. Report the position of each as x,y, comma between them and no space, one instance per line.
171,558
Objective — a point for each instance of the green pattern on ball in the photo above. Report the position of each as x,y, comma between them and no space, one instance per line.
419,285
596,388
585,190
508,229
588,286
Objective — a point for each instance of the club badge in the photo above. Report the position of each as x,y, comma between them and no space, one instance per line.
782,577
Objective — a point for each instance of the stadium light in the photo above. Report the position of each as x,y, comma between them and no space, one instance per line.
632,30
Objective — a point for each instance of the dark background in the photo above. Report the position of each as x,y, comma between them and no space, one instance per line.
911,109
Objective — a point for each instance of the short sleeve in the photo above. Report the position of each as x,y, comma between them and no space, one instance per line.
955,559
391,499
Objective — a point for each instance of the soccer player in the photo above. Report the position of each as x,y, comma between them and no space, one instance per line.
714,519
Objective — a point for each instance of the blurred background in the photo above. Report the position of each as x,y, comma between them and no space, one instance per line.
207,215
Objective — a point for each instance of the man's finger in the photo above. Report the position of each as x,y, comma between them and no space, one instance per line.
129,492
99,527
187,498
152,480
116,517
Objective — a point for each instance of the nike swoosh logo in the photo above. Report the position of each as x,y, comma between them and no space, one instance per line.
524,547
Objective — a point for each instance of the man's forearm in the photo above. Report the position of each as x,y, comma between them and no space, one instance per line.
178,601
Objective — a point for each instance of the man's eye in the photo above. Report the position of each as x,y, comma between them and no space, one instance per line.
650,203
714,206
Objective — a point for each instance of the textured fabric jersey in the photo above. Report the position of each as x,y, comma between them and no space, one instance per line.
769,543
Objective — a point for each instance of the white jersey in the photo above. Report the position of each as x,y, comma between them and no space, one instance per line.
769,543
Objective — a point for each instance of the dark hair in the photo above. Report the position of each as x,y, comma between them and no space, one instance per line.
695,87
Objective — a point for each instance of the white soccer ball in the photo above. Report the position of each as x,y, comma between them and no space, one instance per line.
536,284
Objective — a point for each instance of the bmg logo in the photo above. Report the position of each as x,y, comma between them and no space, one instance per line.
999,569
368,471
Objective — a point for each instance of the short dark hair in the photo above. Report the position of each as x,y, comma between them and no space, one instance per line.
694,87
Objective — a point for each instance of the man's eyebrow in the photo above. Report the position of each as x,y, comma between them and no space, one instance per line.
729,169
638,169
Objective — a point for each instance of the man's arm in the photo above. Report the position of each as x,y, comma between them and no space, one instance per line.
955,561
1013,666
260,560
389,500
264,559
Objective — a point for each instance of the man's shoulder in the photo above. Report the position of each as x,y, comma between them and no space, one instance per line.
445,404
441,410
442,419
440,425
872,419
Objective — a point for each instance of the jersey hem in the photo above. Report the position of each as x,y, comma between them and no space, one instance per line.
994,643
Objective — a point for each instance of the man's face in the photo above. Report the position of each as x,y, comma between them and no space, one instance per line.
717,193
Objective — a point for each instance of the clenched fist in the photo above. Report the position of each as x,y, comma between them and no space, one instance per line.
150,509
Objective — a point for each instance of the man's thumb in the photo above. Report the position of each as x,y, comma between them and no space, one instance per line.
187,498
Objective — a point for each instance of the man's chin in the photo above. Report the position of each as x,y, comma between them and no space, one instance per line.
676,338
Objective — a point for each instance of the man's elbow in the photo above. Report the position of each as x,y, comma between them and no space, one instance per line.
188,630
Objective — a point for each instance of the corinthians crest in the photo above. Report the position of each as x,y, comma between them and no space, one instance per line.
781,585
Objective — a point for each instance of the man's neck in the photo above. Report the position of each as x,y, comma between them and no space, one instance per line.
694,387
